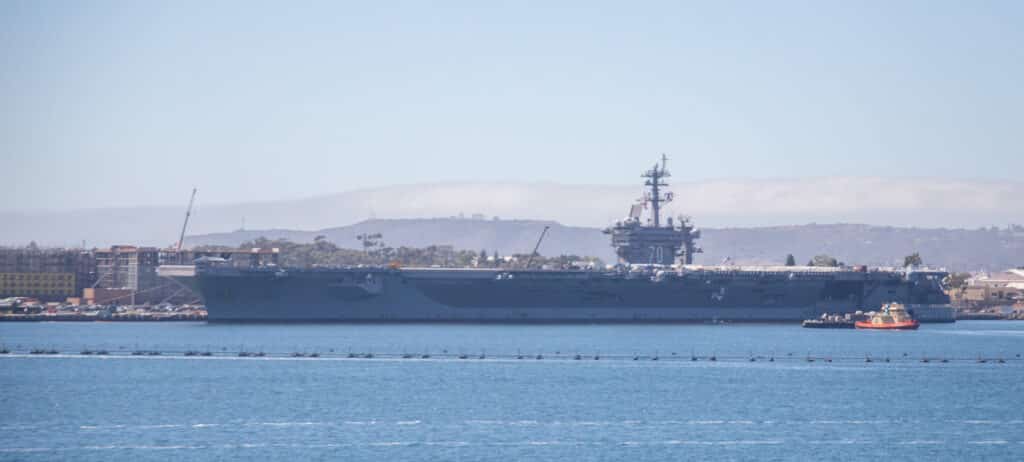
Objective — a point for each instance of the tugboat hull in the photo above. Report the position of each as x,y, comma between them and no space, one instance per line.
908,325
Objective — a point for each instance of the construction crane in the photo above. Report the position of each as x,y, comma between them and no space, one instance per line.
184,226
542,233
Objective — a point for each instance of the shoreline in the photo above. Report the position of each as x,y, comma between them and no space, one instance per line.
94,318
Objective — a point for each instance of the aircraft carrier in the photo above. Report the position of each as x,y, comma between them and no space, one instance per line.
654,281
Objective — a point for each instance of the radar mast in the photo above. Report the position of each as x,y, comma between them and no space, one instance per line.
655,180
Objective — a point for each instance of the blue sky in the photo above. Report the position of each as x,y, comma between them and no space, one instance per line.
133,103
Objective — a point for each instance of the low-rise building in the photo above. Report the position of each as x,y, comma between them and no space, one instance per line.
46,274
1003,288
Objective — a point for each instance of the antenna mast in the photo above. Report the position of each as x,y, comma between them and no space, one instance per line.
655,179
184,226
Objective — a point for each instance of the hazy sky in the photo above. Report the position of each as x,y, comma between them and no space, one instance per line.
133,103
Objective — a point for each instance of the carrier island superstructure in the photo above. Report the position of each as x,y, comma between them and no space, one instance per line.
654,281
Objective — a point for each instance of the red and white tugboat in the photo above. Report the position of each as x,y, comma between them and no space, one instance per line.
892,317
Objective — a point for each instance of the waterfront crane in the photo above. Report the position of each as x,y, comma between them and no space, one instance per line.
184,226
542,233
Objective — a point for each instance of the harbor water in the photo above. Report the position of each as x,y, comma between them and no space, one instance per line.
773,392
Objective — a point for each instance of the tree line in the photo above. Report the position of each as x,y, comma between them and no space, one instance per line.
824,260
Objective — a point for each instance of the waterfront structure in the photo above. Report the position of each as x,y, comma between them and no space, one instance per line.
133,269
994,289
122,274
43,286
646,287
104,296
45,274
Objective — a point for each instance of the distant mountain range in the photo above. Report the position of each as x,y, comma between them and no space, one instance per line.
961,250
712,204
505,236
747,220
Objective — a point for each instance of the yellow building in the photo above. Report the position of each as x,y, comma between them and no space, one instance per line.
44,286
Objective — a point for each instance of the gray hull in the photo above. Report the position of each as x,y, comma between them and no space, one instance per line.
437,295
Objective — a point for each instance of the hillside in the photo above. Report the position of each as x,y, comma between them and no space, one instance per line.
505,236
956,249
712,203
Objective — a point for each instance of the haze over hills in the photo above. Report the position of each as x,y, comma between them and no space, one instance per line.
711,203
505,236
960,250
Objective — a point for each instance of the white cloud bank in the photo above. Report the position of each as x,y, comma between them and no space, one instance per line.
913,202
